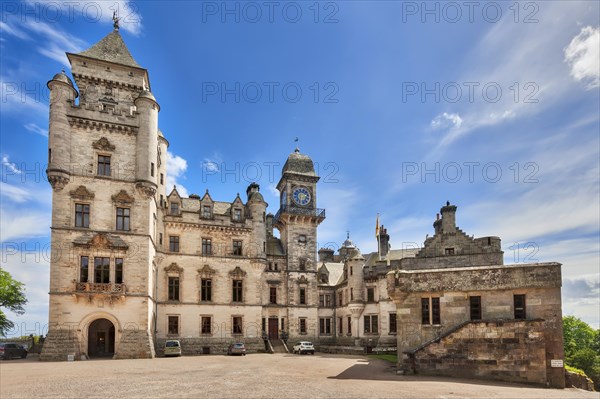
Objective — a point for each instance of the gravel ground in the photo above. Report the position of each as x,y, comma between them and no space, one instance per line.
252,376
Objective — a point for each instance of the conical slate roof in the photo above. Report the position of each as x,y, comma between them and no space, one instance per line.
299,164
112,49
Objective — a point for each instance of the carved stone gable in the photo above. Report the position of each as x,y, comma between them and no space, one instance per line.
302,280
206,271
237,273
174,268
82,193
122,198
103,144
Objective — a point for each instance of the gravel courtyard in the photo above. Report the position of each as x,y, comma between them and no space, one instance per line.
252,376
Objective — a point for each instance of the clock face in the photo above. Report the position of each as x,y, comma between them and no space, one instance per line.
302,196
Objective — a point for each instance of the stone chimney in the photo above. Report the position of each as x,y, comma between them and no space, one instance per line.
326,255
384,241
437,225
270,225
448,218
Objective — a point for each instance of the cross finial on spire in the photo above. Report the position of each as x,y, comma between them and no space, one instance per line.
347,234
116,20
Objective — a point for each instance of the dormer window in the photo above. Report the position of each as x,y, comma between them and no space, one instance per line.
206,212
174,210
237,215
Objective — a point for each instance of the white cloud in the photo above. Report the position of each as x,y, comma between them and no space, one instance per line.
446,121
273,191
24,224
96,11
176,167
13,193
32,127
583,56
10,166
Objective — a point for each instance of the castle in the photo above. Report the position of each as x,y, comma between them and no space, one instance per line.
134,263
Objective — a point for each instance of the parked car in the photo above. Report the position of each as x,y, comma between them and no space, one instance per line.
303,347
236,349
172,348
9,350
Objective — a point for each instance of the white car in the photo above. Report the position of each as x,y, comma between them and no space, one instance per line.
303,347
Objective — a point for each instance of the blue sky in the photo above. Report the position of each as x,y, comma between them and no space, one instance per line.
494,108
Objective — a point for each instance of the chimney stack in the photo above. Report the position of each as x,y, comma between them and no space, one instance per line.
448,218
384,241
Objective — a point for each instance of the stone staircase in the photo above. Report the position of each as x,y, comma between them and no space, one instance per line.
278,346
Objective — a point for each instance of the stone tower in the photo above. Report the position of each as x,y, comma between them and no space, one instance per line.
107,168
297,221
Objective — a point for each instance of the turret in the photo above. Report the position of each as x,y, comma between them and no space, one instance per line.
355,276
270,225
437,225
257,208
62,95
147,142
448,218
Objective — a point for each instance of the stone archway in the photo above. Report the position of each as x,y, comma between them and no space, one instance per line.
101,338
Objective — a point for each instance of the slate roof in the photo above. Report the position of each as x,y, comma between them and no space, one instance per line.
393,254
336,272
112,49
299,164
274,247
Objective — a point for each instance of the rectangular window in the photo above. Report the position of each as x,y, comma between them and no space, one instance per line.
237,247
435,311
349,320
302,264
302,326
206,246
237,325
123,219
119,271
207,212
237,291
160,238
302,296
237,215
393,327
206,290
273,295
351,294
430,311
475,307
520,312
327,300
162,200
102,270
325,326
152,169
449,251
174,209
370,294
162,178
82,215
173,328
340,326
174,243
84,268
321,300
206,325
371,324
341,298
103,165
173,288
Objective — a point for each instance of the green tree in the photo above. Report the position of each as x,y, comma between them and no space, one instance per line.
12,297
577,335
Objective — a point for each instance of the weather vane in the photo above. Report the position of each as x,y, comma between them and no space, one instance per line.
116,20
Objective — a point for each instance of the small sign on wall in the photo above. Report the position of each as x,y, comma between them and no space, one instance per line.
556,363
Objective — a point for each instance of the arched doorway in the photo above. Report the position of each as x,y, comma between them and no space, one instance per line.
101,338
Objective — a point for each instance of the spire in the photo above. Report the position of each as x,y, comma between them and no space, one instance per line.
111,48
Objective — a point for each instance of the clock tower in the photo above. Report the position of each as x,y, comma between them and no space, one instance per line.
297,221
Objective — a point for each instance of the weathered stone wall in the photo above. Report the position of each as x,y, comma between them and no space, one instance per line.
576,380
59,343
215,346
513,351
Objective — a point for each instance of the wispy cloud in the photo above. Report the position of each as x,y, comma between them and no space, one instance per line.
583,56
446,121
33,128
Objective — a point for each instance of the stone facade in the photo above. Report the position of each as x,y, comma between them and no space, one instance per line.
134,264
474,316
